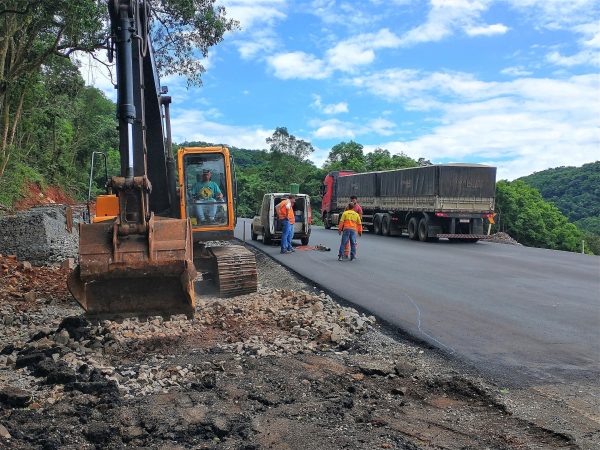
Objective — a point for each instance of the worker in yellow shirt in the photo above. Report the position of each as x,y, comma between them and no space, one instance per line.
350,224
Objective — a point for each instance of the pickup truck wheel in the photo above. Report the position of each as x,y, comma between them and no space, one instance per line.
377,224
304,240
412,228
327,221
267,239
423,230
386,227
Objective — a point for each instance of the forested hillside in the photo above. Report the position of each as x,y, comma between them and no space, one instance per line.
54,127
527,217
574,190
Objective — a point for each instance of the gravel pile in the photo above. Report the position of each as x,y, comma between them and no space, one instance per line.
42,348
502,238
39,235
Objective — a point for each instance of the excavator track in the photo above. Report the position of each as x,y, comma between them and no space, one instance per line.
235,270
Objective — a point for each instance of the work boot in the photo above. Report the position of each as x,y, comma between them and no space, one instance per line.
339,257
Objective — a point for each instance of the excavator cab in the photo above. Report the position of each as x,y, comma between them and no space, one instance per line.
208,195
207,192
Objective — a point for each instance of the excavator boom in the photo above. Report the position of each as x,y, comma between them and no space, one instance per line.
138,263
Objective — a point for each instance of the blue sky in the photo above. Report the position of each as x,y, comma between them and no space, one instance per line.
512,83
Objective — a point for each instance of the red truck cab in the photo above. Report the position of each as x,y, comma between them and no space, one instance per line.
328,192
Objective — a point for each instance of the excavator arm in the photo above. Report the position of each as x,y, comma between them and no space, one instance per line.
141,262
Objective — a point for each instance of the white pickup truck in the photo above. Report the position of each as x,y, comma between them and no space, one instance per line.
267,225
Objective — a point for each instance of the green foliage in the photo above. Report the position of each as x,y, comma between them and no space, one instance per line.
346,155
380,159
12,186
574,190
350,156
62,124
525,215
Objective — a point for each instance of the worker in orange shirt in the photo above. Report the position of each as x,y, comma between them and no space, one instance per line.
357,208
285,213
350,224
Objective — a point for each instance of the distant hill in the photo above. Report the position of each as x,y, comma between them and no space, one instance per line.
574,190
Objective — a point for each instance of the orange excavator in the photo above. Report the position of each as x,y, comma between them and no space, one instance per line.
161,219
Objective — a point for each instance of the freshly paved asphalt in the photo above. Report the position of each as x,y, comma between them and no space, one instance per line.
526,314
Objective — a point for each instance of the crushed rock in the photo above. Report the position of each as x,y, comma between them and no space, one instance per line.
39,235
502,238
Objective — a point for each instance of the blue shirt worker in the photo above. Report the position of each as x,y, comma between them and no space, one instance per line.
206,193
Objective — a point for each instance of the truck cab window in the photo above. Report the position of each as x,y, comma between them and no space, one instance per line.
206,189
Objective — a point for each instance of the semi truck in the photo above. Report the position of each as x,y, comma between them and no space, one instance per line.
438,201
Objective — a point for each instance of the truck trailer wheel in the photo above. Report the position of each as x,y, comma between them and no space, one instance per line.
304,240
386,225
327,221
254,236
377,224
423,230
413,226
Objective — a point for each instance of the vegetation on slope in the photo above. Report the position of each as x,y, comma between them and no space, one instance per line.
574,190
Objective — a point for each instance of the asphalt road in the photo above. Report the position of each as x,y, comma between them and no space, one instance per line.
531,315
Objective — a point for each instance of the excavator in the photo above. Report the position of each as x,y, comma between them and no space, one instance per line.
162,221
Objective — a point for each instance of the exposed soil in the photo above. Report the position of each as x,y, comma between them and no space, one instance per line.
282,369
35,196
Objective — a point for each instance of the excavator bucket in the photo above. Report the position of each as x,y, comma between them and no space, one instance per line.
135,275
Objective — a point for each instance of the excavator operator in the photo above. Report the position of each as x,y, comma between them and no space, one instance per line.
206,192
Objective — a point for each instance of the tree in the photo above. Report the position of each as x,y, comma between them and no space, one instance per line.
346,155
526,216
32,32
285,143
381,159
574,190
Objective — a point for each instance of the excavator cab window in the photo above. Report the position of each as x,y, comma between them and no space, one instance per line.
206,189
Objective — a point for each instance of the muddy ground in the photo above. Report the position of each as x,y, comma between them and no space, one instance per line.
283,369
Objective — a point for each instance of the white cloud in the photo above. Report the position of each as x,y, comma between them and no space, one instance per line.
487,30
444,17
262,42
521,126
347,14
194,125
333,108
333,129
382,126
360,50
252,13
337,129
258,19
516,71
95,73
297,65
584,57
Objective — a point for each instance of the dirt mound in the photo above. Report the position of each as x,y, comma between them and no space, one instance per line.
502,238
36,196
21,284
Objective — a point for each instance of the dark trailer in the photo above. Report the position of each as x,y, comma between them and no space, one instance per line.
445,200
